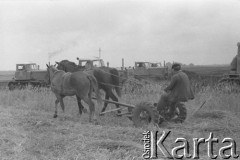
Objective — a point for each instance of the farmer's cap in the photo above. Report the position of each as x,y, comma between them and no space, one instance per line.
176,66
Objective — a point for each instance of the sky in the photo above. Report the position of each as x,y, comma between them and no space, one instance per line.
201,32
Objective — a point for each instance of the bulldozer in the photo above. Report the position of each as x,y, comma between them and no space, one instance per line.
233,77
150,71
29,74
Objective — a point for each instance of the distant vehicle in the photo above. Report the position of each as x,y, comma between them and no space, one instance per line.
29,74
149,70
90,63
234,75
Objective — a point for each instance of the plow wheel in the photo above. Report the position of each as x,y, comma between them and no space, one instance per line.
144,113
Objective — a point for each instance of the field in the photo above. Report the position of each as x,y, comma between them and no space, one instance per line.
211,70
6,75
29,131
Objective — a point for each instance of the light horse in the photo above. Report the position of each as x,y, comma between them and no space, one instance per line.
70,84
108,79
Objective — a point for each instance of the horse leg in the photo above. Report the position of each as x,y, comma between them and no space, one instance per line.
114,98
91,108
80,106
61,102
56,103
105,103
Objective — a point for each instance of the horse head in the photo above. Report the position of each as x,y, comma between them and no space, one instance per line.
67,66
61,66
51,70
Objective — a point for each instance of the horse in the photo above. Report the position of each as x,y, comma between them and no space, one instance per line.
69,84
108,79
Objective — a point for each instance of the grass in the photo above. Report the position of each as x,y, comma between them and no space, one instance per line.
29,131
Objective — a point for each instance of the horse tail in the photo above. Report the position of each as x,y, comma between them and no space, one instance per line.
116,80
94,86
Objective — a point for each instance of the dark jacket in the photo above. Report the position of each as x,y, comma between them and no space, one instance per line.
180,87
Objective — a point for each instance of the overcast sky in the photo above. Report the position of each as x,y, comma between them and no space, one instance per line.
187,31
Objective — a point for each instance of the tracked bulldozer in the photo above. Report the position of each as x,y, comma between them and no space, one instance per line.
150,71
29,74
233,77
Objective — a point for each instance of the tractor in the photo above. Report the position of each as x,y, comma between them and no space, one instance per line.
29,74
151,71
233,77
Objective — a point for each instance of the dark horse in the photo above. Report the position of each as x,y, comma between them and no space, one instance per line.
107,78
78,83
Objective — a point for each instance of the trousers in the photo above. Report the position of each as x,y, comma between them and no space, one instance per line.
167,101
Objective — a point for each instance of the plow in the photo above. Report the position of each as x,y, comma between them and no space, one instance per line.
146,113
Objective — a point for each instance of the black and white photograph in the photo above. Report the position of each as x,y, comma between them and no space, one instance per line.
119,79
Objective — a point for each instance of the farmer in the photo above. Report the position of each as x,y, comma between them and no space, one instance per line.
178,90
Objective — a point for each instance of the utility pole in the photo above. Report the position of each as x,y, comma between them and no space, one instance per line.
99,53
122,63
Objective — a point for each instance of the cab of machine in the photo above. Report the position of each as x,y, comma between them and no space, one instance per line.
150,70
147,65
23,71
27,67
90,63
155,65
142,64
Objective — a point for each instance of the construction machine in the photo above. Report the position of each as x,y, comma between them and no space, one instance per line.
149,70
234,74
29,74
